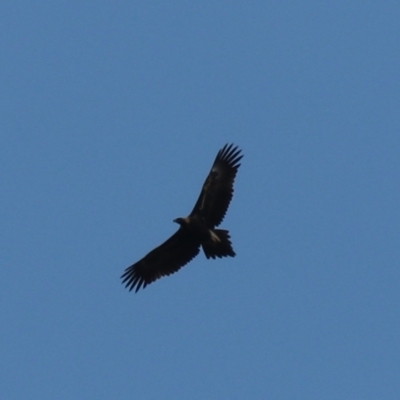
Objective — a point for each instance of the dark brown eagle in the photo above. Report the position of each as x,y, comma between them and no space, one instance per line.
195,231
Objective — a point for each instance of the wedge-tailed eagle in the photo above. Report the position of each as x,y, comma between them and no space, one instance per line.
196,230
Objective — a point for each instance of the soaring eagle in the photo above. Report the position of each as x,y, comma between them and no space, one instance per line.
196,230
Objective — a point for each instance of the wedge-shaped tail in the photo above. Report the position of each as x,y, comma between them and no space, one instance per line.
219,245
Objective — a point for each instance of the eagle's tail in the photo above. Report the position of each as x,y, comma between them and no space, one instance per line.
219,245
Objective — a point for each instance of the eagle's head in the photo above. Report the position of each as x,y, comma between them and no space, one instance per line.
181,221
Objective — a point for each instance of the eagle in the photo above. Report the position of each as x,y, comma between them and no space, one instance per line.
197,230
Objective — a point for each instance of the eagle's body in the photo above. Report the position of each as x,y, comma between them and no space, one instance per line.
215,242
196,230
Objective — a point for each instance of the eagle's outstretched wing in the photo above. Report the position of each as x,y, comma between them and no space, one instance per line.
217,190
165,259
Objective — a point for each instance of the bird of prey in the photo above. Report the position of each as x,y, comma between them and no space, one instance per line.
196,230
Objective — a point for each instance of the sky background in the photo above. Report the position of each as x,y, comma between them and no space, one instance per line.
111,116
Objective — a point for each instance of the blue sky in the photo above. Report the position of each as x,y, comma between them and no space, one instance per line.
111,115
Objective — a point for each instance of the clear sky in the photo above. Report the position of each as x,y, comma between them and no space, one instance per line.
111,116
